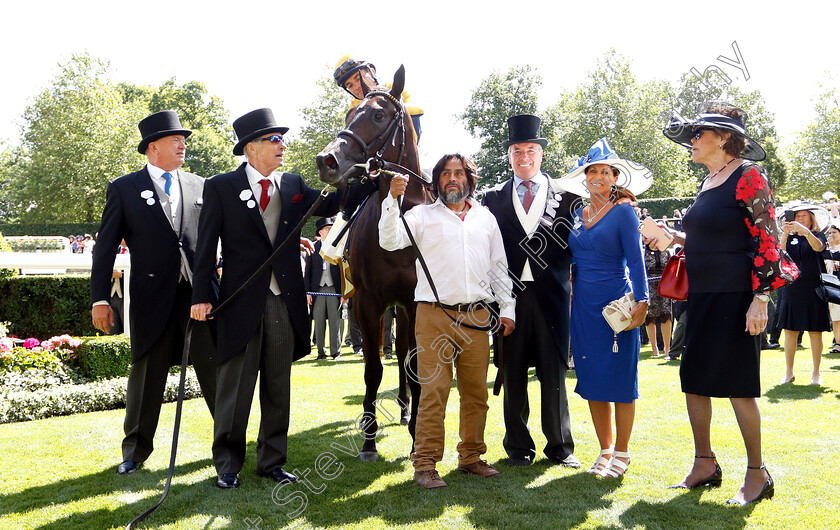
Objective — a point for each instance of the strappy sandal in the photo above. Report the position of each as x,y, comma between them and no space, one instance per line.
601,463
617,467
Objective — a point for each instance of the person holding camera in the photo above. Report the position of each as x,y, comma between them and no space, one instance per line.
800,309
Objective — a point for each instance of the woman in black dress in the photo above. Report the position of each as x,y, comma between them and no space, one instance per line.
800,309
733,260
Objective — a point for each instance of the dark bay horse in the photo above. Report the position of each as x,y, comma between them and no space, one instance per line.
379,128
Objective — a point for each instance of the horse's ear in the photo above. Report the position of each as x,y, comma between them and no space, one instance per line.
399,82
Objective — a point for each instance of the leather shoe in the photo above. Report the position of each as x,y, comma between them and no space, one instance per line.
227,481
127,467
567,461
429,479
519,461
480,468
279,475
336,357
320,357
770,346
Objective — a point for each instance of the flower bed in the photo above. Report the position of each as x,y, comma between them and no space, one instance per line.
40,379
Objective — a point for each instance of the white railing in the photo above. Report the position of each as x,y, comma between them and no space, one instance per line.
64,261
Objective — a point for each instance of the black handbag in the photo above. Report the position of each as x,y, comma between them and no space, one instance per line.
829,288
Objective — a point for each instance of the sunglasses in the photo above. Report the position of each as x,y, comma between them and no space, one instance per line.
699,132
274,139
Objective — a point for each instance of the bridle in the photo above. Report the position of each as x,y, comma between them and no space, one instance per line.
374,149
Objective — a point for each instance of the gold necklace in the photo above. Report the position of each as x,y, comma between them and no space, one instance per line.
713,175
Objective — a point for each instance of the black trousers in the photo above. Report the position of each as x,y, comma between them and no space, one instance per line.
147,376
532,343
269,353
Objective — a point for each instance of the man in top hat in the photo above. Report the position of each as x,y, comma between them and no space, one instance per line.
156,211
253,210
533,214
324,277
358,77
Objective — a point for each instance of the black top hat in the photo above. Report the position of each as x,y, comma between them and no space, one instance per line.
158,125
524,128
324,222
253,125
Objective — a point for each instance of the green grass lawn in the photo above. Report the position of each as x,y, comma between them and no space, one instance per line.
60,473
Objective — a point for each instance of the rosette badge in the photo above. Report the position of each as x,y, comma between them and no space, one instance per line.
247,196
148,196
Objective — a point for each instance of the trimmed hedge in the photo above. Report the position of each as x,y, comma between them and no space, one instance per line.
48,229
19,403
41,306
103,357
665,205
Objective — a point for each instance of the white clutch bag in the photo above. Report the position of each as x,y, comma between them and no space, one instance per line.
613,313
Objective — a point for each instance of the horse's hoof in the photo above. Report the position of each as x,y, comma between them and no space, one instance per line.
368,456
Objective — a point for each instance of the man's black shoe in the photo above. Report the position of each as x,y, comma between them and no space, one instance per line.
519,461
320,357
567,461
336,357
227,481
283,477
770,346
127,467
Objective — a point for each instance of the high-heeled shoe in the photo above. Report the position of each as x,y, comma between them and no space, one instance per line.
713,481
765,493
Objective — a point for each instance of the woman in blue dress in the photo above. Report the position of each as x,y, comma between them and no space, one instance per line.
608,263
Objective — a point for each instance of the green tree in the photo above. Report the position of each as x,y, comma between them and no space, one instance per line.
497,98
77,135
612,103
816,152
209,148
322,120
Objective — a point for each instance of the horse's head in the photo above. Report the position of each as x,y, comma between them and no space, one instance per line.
376,125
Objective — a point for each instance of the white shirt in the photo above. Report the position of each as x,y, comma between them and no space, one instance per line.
175,189
466,259
254,178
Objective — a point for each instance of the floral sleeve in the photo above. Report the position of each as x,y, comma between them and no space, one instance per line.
772,267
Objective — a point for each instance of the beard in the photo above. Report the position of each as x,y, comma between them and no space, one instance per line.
454,196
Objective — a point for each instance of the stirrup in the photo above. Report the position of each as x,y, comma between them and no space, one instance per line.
617,467
601,463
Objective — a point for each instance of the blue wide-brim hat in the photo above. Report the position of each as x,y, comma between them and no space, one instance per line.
251,126
633,176
681,130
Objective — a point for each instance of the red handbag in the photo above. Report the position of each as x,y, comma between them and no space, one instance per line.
674,281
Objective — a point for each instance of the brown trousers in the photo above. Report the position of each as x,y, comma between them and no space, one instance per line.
442,345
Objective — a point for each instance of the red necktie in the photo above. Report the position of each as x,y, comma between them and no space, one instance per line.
529,195
265,183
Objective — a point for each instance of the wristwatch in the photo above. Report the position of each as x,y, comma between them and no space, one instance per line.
762,297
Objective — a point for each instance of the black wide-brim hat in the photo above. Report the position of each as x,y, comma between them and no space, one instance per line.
324,222
524,128
253,125
681,131
159,125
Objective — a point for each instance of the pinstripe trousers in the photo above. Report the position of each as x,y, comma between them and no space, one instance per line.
269,353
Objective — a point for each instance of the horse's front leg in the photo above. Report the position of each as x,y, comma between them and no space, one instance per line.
368,316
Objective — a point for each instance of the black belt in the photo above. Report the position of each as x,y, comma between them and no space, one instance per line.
463,308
